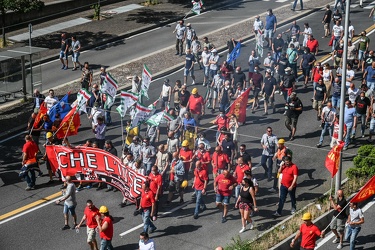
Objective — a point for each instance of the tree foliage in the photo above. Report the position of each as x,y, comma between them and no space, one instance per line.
22,6
364,163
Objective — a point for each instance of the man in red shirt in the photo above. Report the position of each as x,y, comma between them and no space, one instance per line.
239,174
187,154
223,186
29,152
91,215
196,105
203,156
199,184
156,182
313,45
105,228
309,232
288,184
220,161
221,121
147,207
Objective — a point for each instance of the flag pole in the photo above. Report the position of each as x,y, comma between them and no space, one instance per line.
70,123
122,133
347,204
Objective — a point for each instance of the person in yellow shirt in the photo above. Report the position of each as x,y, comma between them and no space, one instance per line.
130,133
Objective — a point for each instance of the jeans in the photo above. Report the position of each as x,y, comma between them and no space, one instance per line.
283,193
267,167
335,101
329,127
335,41
336,3
30,178
199,201
294,69
237,191
352,232
363,123
372,125
179,46
276,55
147,166
370,85
108,118
106,245
295,3
224,107
349,127
147,223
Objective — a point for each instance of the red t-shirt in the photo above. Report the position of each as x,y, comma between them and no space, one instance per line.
195,104
240,172
220,161
222,122
224,183
316,73
188,155
288,175
30,149
90,216
312,45
336,129
155,182
203,157
108,233
309,234
147,199
200,177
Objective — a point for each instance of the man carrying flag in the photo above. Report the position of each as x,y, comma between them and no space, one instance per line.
332,162
238,107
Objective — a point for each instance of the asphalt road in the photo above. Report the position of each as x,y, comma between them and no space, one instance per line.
40,228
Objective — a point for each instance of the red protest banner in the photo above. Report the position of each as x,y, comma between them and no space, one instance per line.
95,165
238,107
366,191
333,159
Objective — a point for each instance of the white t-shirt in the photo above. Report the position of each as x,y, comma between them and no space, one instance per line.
95,113
215,58
307,32
349,74
149,245
165,90
205,58
195,46
356,216
351,28
337,30
353,93
258,25
180,30
50,101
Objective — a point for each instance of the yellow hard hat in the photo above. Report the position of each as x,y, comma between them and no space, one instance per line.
185,143
184,184
194,91
49,135
103,210
306,216
281,141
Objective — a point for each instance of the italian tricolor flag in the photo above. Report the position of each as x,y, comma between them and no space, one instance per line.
197,6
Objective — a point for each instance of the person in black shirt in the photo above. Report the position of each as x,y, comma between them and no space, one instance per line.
228,146
184,96
245,155
277,47
294,108
239,77
288,83
268,88
320,96
327,21
362,103
337,53
281,66
338,224
306,64
65,44
256,80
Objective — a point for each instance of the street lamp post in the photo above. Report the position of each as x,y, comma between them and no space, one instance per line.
31,60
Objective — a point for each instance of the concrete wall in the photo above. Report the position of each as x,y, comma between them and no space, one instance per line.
50,11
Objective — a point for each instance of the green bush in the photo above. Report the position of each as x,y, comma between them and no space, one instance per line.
364,163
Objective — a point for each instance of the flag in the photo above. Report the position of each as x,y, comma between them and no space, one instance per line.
39,116
366,191
127,100
333,159
108,101
155,119
197,7
235,53
146,80
142,113
167,117
62,108
70,124
82,97
238,107
110,85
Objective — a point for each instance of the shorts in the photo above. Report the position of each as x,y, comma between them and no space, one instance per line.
338,224
206,70
48,165
268,33
292,121
251,75
267,99
245,206
189,72
306,71
70,209
222,199
326,26
361,54
256,92
75,56
215,93
91,234
317,104
63,55
175,186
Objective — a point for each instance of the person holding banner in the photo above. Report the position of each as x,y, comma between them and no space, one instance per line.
339,217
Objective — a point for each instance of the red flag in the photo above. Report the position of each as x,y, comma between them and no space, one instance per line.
39,116
333,159
71,118
238,107
366,191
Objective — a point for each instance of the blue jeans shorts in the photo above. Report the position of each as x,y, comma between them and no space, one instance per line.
222,199
63,55
70,209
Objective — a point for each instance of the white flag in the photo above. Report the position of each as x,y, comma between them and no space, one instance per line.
82,97
110,85
146,80
142,113
127,100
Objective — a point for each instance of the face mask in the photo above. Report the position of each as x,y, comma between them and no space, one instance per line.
184,148
143,241
341,44
201,149
256,71
318,67
222,115
347,106
143,144
268,13
256,19
269,57
362,98
324,67
153,172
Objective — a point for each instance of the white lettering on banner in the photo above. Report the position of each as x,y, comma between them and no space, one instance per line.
59,157
91,158
107,165
137,186
79,158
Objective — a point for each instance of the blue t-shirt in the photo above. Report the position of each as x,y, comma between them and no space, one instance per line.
189,124
48,125
349,116
270,22
370,73
189,60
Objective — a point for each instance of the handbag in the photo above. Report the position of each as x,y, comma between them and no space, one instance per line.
330,43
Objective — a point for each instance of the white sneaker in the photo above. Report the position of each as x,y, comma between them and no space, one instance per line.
242,230
339,246
193,83
276,91
251,226
336,240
